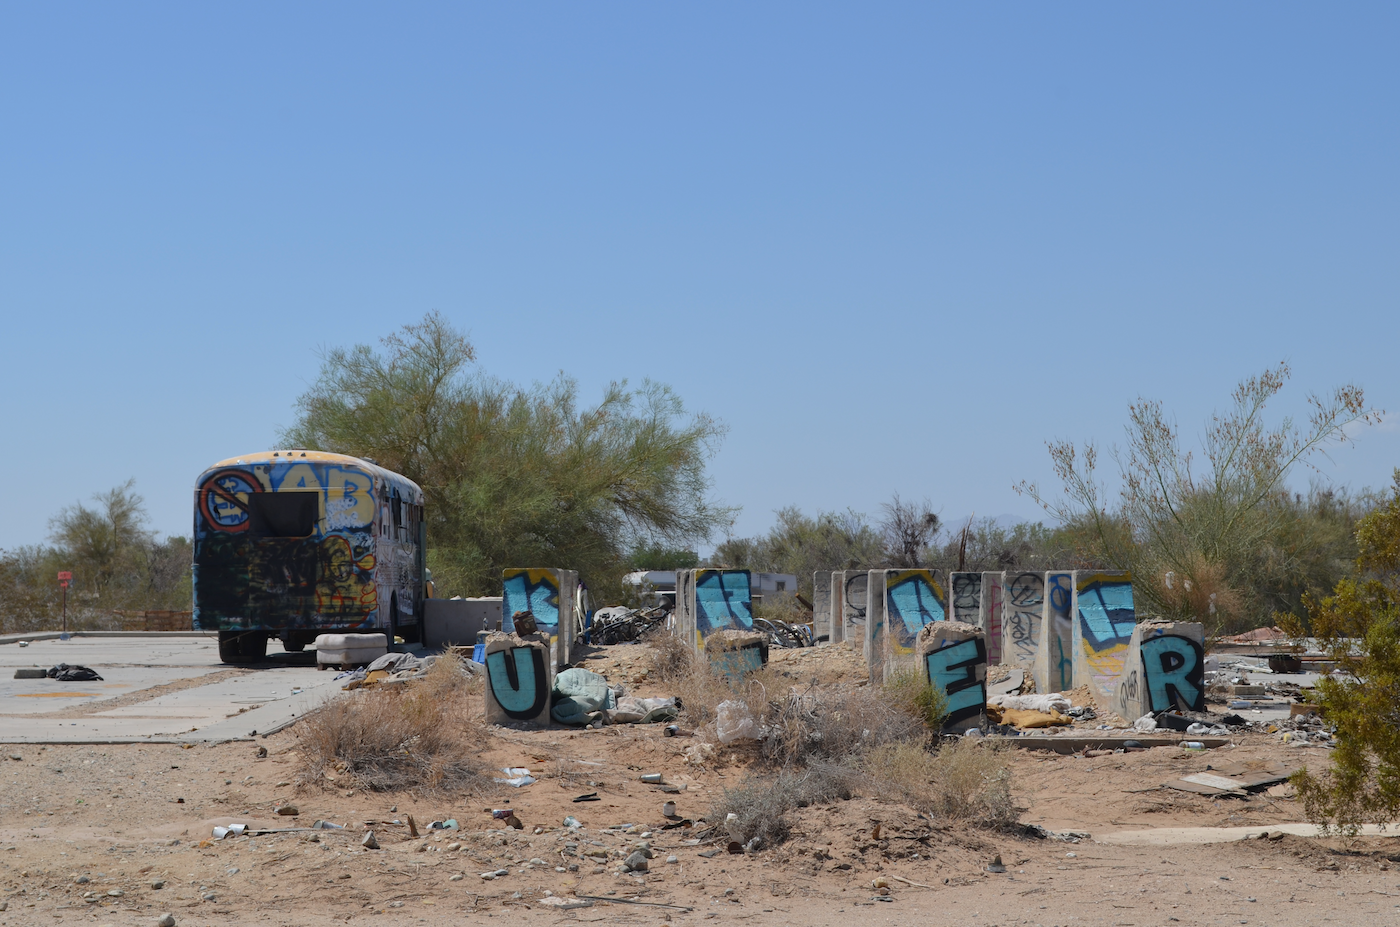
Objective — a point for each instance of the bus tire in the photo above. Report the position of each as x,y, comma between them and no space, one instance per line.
242,646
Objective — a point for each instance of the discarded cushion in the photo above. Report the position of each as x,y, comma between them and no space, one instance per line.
350,648
1025,719
395,662
579,693
633,710
1042,703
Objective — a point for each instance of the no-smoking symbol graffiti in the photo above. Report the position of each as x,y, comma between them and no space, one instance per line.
224,499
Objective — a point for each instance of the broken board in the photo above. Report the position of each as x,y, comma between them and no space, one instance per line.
1237,778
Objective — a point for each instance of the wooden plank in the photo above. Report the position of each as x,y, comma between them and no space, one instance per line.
1222,783
1181,785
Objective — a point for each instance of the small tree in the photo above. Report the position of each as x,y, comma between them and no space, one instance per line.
1360,626
517,476
106,544
908,529
1187,534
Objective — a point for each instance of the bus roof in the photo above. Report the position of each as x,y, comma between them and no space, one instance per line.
297,455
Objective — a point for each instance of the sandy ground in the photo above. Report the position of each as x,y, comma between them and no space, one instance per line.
87,833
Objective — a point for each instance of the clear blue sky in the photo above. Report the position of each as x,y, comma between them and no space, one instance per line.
895,247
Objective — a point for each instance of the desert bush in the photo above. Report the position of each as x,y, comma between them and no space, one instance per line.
835,725
760,805
911,693
961,780
690,678
423,735
1359,627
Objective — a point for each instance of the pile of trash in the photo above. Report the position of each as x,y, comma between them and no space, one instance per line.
1302,730
583,698
396,667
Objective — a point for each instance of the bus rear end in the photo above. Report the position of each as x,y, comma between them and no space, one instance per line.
292,544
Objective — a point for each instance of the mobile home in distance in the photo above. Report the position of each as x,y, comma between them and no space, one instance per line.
292,544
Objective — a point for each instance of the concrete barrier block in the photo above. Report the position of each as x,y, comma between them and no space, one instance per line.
1164,668
952,656
683,625
449,622
912,600
713,600
989,613
518,680
549,595
1022,610
876,633
735,654
1054,657
837,616
821,603
1103,626
965,598
855,599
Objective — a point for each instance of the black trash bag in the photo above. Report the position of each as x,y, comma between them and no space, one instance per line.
65,673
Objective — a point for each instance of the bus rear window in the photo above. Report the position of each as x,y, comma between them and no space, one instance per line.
282,514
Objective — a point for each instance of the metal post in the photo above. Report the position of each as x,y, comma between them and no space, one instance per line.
65,608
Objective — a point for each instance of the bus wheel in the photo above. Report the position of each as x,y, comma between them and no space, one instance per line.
294,645
242,646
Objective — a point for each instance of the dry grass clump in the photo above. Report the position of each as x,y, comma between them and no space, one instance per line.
701,690
835,725
671,657
760,805
962,780
422,735
907,690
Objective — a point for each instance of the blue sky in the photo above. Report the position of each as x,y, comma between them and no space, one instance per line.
895,247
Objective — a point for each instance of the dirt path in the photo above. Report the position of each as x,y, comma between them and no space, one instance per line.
127,817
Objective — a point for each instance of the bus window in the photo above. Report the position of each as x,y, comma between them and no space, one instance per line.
283,514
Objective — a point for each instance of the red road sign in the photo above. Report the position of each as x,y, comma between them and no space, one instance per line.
65,574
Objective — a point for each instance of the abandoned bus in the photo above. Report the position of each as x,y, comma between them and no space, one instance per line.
292,544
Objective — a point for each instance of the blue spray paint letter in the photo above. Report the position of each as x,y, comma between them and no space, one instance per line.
1174,668
953,671
722,601
518,681
534,591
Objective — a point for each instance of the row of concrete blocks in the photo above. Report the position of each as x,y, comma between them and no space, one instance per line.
1008,606
1164,668
520,674
1069,629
